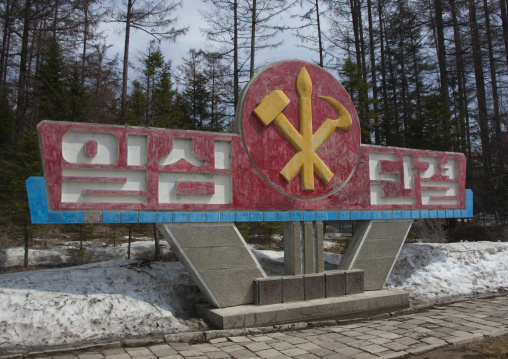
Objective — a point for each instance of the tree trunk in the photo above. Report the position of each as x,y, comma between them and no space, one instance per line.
5,37
365,92
157,254
235,55
6,60
27,240
459,64
125,74
373,71
441,52
480,89
418,91
362,42
493,80
129,243
356,32
21,98
253,38
504,19
55,19
85,43
384,83
319,34
441,58
405,92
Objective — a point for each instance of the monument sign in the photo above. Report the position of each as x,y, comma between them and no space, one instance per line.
296,157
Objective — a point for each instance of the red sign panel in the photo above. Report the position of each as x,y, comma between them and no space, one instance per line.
299,148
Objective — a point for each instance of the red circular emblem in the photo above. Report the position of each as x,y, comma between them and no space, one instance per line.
300,129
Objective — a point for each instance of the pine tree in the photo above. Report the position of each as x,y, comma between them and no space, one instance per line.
163,101
53,93
153,62
354,83
79,106
17,167
6,124
197,97
136,114
428,132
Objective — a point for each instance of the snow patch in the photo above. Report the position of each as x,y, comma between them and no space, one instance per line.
434,273
94,301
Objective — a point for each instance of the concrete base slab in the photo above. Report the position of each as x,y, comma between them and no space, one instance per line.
346,307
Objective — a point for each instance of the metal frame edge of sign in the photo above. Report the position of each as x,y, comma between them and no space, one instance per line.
40,213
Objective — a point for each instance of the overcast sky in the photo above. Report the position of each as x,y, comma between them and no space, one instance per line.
188,16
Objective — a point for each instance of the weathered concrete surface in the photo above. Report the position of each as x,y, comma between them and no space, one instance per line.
268,291
286,289
303,247
374,248
293,289
218,259
358,305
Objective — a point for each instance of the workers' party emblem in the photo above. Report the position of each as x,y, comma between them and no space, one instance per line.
300,129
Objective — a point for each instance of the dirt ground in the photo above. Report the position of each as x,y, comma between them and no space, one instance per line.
495,348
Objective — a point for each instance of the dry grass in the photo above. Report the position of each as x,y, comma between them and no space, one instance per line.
429,230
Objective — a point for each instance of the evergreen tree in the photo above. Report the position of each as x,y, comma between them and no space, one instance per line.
354,83
196,94
136,114
220,86
79,107
197,97
6,124
163,98
154,62
53,93
180,112
428,132
17,167
407,68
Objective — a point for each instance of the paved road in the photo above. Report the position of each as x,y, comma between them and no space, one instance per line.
395,337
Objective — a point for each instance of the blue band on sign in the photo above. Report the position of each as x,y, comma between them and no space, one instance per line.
40,213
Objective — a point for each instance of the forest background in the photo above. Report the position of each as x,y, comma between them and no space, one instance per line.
426,74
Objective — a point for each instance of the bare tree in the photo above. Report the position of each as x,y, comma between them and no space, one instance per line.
310,28
154,17
263,30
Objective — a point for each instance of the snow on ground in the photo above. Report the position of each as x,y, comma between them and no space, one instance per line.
68,253
120,298
434,273
108,299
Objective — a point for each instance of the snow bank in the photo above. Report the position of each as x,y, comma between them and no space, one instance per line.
94,301
441,272
69,253
127,298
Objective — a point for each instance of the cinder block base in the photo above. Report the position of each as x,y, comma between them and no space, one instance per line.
293,289
315,286
286,289
345,307
335,283
268,291
354,281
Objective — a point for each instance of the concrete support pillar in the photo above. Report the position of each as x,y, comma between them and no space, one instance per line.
374,249
218,259
303,248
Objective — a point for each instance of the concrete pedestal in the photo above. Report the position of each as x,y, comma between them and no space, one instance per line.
345,307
